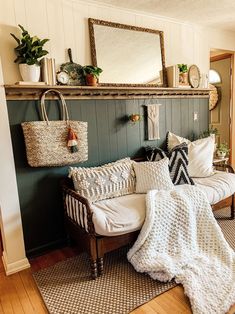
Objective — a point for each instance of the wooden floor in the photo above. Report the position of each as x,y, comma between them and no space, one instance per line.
19,293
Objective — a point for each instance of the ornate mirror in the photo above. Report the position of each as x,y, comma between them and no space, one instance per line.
128,55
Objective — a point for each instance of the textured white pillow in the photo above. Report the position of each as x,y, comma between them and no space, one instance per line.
200,154
107,181
152,175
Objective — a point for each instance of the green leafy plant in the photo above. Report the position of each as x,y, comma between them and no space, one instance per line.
29,49
90,69
208,132
183,68
223,147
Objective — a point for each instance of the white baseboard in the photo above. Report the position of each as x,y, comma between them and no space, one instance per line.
11,268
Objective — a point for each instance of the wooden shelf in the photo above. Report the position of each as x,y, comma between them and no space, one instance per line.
23,92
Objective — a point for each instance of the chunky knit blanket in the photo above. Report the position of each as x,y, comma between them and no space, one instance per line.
181,239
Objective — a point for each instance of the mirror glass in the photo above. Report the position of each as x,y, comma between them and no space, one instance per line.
127,54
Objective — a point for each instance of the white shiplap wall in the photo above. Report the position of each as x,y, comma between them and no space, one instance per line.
65,23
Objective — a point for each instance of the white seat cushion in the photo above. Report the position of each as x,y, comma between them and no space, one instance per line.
119,215
125,214
218,186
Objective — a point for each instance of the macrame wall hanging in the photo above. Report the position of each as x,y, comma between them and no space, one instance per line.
153,112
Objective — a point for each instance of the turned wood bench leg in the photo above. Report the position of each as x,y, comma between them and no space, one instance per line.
94,270
100,261
93,258
100,256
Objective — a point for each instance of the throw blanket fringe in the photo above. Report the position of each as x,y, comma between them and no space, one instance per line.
181,239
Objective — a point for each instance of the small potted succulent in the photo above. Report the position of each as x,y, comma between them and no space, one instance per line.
183,75
222,150
29,51
91,74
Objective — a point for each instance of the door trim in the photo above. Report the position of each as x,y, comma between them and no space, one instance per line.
221,57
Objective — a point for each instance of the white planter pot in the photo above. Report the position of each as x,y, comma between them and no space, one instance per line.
29,73
221,154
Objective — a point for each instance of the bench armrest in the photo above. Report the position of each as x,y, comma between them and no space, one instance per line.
77,208
223,167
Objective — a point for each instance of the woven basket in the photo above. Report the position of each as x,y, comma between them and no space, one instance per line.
46,141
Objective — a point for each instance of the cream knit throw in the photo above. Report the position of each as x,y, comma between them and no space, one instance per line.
181,239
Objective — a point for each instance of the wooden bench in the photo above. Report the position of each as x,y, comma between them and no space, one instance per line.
96,245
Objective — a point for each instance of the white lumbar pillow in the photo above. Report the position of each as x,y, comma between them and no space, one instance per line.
152,175
200,154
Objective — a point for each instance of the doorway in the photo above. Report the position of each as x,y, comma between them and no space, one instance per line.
221,76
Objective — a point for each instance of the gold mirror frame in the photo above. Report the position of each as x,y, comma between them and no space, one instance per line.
93,22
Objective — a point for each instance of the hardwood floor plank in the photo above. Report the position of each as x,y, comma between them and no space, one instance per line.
13,296
32,291
171,304
1,309
22,294
4,295
178,292
146,308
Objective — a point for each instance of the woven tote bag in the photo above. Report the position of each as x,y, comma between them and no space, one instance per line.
55,143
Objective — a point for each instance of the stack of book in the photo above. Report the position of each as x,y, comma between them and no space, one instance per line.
48,71
25,83
173,75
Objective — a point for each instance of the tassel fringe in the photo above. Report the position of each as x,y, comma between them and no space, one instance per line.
72,141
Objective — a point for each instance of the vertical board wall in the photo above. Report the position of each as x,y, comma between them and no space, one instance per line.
110,137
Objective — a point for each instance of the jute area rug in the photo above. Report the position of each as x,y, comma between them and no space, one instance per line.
67,288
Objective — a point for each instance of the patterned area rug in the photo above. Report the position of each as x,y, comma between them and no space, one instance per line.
67,288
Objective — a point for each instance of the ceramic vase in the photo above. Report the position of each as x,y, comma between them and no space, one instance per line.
29,73
91,80
183,78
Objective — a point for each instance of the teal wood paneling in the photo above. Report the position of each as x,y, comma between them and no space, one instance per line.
176,116
162,122
110,137
121,128
184,117
112,126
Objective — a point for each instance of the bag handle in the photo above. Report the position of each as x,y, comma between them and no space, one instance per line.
65,114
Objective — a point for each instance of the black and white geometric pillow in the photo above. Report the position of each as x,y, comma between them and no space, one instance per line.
178,162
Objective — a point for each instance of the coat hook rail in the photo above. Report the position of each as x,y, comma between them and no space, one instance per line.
16,92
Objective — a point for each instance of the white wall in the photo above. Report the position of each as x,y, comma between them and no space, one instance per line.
10,219
65,23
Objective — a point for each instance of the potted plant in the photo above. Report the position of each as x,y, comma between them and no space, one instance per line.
209,132
29,51
183,75
222,150
91,74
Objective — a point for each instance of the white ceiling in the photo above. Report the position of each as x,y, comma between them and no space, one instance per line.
213,13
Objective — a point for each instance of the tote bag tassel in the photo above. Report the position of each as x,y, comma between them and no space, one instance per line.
72,141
